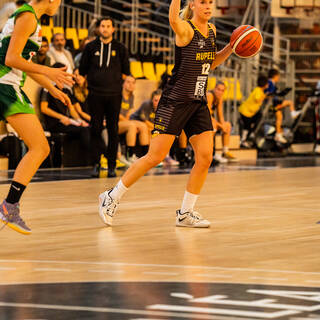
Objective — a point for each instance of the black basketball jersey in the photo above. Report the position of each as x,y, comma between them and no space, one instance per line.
192,66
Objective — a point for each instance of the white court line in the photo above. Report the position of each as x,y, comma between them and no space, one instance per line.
52,269
157,265
145,319
108,310
162,273
262,278
310,318
214,275
107,271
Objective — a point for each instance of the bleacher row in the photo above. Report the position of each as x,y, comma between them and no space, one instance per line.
153,71
73,34
142,70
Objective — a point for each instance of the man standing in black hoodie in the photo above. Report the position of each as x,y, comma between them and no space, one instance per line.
105,62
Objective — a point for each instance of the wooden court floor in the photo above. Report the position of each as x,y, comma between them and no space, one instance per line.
264,231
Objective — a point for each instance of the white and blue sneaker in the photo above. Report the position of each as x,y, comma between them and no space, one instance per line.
191,220
107,207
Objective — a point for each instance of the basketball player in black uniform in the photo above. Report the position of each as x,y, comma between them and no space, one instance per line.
183,105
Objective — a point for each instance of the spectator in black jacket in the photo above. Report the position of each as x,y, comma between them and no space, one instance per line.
62,119
105,62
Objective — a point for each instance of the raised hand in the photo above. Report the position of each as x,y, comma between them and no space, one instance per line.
60,77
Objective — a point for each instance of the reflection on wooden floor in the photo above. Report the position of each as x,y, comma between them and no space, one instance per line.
264,230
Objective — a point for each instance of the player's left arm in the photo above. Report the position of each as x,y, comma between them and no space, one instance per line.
223,54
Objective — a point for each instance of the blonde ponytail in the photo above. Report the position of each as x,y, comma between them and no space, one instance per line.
186,13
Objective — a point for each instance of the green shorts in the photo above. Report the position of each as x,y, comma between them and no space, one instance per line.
13,100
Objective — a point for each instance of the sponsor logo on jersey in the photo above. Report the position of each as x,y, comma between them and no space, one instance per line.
201,56
114,53
201,43
160,127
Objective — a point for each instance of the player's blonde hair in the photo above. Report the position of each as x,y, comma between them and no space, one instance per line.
186,13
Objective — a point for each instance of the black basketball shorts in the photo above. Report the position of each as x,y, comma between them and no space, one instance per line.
191,116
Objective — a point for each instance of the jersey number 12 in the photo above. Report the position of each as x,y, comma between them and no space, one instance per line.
206,68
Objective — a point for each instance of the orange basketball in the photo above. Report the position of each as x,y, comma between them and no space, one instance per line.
246,41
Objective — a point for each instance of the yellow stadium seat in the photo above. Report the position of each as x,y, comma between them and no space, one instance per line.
71,33
46,31
58,30
51,22
231,86
136,69
239,93
161,68
82,33
148,70
169,69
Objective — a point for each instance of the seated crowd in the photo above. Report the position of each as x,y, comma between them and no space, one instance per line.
135,123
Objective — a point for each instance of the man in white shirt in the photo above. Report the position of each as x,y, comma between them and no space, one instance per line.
58,53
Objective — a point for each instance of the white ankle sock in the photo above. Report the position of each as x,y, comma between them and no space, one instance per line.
118,191
244,135
188,202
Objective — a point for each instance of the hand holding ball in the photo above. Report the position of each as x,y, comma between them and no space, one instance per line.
246,41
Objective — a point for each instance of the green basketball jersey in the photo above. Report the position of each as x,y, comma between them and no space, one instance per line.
14,76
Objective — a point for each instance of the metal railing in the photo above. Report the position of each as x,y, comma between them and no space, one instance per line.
134,25
246,71
145,30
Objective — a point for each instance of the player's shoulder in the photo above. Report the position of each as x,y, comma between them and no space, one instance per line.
213,27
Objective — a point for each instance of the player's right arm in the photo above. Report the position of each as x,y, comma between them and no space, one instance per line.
182,29
25,25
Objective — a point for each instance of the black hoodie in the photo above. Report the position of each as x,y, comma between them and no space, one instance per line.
104,64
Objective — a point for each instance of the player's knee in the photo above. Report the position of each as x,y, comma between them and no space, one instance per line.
43,149
153,159
204,159
144,128
132,127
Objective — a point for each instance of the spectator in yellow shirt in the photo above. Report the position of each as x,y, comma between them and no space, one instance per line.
250,109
